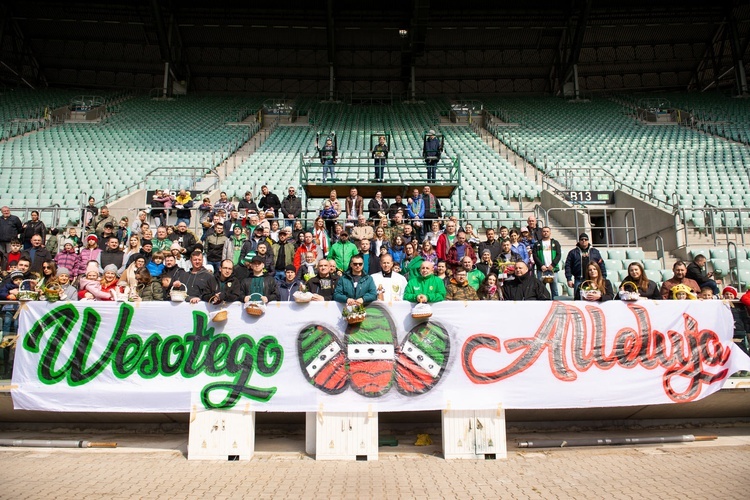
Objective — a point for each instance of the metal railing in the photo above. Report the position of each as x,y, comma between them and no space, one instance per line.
168,173
52,215
582,223
716,220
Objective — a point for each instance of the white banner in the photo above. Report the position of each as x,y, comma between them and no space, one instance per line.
165,357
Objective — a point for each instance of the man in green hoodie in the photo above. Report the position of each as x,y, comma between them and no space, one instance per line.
342,252
425,287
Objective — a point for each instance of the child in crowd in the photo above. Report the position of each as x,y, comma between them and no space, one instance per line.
706,294
9,291
15,253
682,292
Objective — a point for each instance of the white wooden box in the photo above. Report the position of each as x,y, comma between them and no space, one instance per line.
474,434
342,436
221,435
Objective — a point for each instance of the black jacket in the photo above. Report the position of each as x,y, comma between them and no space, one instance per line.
202,284
42,255
323,286
229,290
270,201
525,287
10,228
609,294
270,290
651,292
291,206
186,241
112,257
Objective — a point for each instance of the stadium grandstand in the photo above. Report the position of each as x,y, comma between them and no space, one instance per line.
627,122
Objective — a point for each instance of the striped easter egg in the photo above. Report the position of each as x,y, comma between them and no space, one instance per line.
370,348
421,359
322,359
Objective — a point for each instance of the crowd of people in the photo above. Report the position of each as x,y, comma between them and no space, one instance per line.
354,252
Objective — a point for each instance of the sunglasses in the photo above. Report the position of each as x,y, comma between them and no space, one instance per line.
358,263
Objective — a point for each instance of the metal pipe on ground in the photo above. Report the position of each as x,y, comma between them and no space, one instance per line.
63,443
565,443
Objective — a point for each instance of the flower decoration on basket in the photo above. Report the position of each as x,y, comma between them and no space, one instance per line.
629,291
27,291
589,291
354,314
52,291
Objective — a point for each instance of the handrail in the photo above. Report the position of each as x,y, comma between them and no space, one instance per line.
710,215
611,240
659,243
140,184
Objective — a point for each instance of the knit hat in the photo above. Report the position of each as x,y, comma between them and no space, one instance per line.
92,237
144,241
731,290
110,268
290,267
15,275
92,266
63,270
175,246
431,132
583,236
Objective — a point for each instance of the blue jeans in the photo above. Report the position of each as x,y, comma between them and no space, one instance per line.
431,170
280,276
183,219
380,168
328,169
552,286
10,325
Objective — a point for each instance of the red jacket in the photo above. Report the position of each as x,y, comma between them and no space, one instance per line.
452,260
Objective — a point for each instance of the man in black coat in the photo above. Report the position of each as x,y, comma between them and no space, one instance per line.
112,253
229,287
259,286
291,207
525,287
185,239
269,200
38,254
10,229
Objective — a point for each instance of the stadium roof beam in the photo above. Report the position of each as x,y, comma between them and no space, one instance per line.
740,78
24,55
575,48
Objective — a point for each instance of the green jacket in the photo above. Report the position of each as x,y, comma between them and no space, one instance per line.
431,286
365,290
475,277
342,253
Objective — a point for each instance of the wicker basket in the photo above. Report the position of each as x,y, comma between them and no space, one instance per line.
178,294
52,292
355,319
548,278
421,311
255,307
302,297
9,342
220,316
629,292
354,315
588,291
26,291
